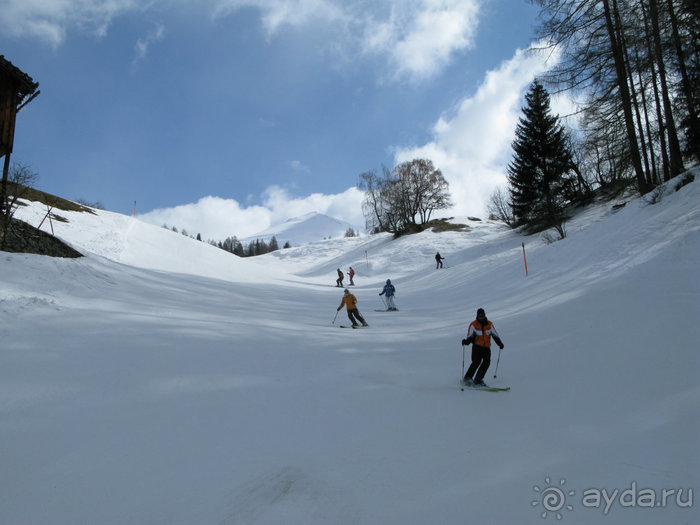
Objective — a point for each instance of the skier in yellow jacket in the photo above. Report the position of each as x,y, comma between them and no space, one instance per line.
350,302
480,333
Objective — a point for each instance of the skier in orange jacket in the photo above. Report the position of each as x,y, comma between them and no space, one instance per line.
479,335
350,301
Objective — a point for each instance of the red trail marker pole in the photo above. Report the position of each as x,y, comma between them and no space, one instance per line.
525,259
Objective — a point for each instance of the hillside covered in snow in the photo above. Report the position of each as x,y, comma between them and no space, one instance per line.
159,379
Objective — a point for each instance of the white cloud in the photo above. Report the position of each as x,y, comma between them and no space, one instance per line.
212,217
143,44
472,146
299,167
277,13
49,20
420,37
216,218
417,38
346,205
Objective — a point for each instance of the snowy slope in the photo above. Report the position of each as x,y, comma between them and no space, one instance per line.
150,382
130,241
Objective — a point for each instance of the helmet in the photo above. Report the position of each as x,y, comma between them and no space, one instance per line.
388,281
346,291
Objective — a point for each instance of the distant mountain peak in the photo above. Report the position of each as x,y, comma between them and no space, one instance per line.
309,227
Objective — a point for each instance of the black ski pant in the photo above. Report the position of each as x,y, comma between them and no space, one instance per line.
354,316
481,360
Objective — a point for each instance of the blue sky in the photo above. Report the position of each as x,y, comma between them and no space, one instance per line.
225,116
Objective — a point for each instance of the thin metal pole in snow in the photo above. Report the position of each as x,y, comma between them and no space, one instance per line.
497,362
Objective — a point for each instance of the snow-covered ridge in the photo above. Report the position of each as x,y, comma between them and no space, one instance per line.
310,227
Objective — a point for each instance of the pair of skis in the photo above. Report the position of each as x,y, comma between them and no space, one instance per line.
484,388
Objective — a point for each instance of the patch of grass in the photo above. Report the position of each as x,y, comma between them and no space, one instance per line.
32,194
442,225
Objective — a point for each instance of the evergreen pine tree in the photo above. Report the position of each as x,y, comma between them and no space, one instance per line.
542,161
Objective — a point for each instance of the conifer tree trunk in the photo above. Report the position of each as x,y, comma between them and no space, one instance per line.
686,83
620,70
665,163
673,143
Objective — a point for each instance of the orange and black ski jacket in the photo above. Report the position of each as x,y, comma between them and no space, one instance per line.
481,334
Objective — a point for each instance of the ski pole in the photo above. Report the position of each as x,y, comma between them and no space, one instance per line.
462,378
497,361
336,315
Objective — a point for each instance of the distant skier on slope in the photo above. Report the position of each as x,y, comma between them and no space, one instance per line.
389,290
351,274
438,259
339,280
350,302
480,332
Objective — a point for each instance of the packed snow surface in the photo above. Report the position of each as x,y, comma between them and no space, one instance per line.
161,380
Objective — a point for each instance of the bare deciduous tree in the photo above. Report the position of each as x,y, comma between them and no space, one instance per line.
500,209
20,181
405,198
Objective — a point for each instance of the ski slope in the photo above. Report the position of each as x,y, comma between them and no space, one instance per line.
161,380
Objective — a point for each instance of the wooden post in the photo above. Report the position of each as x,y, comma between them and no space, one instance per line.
48,214
4,213
3,191
525,259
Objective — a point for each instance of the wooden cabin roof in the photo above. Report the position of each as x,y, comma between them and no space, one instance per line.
25,85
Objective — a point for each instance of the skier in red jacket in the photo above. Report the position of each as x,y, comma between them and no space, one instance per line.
479,336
